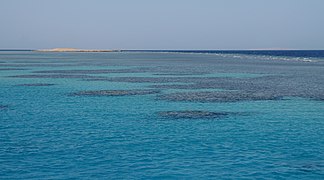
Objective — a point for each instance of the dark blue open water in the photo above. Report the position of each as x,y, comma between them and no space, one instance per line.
167,115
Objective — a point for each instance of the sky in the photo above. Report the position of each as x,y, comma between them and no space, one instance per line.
162,24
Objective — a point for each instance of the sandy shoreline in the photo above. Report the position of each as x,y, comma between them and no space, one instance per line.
74,50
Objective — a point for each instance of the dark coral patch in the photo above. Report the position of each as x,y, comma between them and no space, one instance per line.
36,84
270,87
95,71
115,92
12,69
177,86
4,107
193,114
69,76
36,65
178,74
149,79
219,96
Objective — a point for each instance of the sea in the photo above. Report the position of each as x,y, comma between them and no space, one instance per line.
162,114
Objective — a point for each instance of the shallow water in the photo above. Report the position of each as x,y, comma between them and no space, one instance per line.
149,116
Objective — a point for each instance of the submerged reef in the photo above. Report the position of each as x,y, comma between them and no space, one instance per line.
94,71
12,69
67,76
36,84
150,79
218,96
3,106
115,92
193,114
280,79
179,74
60,64
271,87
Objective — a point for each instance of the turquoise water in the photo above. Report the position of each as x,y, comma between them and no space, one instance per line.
271,127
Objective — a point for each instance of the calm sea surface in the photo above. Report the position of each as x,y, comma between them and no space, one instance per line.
167,115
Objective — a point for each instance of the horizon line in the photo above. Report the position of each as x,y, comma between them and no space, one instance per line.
257,49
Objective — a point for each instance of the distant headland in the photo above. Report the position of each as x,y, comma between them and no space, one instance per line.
74,50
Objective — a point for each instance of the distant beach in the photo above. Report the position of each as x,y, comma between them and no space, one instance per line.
74,50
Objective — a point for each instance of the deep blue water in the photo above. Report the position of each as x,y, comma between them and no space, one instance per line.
166,115
288,53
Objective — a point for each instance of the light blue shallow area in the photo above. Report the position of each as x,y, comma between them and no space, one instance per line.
48,134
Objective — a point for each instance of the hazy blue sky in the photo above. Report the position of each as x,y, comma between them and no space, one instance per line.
162,24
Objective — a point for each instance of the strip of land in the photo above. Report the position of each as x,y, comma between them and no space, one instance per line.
74,50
